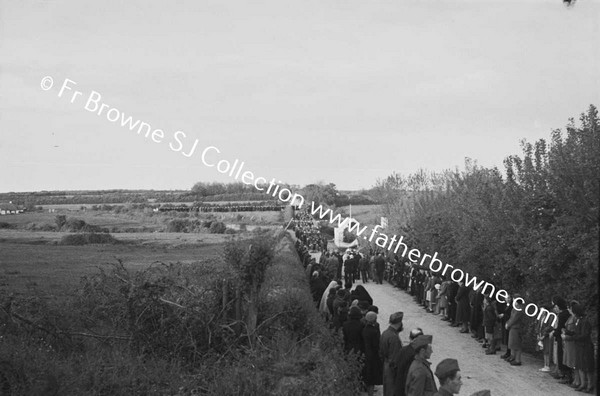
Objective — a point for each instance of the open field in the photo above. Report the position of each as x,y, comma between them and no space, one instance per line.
31,261
102,219
365,214
150,221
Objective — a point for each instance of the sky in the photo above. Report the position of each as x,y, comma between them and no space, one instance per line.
300,91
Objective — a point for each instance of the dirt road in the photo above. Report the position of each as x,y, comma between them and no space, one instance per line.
479,371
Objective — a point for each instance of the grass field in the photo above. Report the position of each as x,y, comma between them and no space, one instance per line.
31,262
365,214
118,222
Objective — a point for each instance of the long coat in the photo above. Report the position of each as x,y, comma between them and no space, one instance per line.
373,371
419,380
442,295
353,337
462,310
584,348
515,325
389,345
400,363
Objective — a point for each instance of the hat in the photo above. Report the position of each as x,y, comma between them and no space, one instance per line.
371,317
445,367
421,341
396,317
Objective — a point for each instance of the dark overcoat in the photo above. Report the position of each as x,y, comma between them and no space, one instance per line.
353,337
373,372
462,309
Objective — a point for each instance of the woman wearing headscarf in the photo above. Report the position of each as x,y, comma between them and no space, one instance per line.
352,331
373,371
323,304
361,294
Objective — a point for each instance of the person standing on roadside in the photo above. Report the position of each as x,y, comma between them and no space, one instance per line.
389,345
373,370
379,267
504,312
560,305
515,332
452,290
401,361
419,380
449,375
463,310
363,266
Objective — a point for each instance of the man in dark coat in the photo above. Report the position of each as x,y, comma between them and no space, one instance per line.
400,362
419,379
340,264
389,345
563,315
363,265
462,307
379,267
352,330
373,371
451,294
350,266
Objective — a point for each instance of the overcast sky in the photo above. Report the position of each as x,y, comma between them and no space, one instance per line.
340,91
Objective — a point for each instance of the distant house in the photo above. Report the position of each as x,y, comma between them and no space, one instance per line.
9,208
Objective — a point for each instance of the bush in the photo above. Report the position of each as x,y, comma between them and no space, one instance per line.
177,225
6,226
88,238
165,330
217,227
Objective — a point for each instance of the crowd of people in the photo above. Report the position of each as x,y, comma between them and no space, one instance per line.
403,370
569,344
350,311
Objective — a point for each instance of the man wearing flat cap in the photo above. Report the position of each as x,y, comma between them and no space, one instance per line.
419,380
390,343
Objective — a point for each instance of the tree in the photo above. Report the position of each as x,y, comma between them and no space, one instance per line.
320,193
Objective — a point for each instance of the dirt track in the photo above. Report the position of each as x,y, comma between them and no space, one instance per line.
479,371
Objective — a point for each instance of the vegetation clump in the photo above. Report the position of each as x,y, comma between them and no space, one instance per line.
241,325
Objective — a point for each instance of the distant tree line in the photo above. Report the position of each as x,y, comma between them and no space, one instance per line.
533,229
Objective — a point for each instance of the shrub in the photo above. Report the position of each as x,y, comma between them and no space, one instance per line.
217,227
47,227
177,225
6,226
88,238
60,221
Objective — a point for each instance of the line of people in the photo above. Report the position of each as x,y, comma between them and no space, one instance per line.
402,370
568,344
